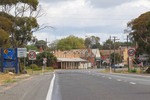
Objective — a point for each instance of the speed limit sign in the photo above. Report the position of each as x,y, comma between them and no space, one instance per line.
131,52
32,55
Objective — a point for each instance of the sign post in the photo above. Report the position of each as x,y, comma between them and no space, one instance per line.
22,52
32,56
131,53
9,60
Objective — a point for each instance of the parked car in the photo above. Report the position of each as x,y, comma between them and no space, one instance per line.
120,65
112,66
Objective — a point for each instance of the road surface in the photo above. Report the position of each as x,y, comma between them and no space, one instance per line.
35,88
81,85
92,85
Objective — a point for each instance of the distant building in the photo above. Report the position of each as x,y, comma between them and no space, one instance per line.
76,58
121,51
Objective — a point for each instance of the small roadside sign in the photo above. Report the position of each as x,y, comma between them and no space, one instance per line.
131,52
21,52
32,54
44,60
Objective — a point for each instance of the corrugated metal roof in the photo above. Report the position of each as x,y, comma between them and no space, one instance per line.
71,60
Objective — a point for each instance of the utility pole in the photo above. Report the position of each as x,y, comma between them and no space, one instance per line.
127,50
114,52
110,55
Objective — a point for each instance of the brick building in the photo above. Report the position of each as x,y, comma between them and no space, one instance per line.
75,59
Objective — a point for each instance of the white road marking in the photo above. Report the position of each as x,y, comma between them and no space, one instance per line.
119,80
50,91
103,76
109,78
132,83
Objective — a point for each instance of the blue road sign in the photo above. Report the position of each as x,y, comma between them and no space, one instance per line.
9,54
9,64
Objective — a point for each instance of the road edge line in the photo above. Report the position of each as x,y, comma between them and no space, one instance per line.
50,91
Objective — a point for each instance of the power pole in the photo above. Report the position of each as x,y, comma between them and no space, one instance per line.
110,55
114,52
127,50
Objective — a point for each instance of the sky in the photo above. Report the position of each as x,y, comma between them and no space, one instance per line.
84,18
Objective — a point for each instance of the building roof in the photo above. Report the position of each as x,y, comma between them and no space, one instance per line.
96,53
71,60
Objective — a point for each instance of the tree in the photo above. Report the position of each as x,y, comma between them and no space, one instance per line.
53,45
41,43
32,47
92,42
117,58
51,59
23,18
107,43
4,39
71,42
139,31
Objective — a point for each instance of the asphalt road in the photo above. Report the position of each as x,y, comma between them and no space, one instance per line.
35,88
80,85
92,85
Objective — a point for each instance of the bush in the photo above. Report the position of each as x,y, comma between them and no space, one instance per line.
34,66
148,70
49,68
37,69
132,70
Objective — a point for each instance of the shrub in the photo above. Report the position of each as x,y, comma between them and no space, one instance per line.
132,70
148,70
34,66
37,69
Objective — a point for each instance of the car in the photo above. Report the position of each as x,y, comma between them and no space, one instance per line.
116,66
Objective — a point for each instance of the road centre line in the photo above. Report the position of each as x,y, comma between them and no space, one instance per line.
109,78
124,77
132,83
119,80
50,91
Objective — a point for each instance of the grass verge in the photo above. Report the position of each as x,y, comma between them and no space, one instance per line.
7,78
39,70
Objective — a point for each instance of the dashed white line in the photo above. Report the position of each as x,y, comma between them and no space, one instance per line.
50,91
119,80
132,83
109,78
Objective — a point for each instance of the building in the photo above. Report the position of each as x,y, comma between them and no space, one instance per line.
76,58
121,51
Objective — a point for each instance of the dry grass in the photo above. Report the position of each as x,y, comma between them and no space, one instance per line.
6,78
29,71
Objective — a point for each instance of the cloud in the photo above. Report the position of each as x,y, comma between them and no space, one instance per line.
79,17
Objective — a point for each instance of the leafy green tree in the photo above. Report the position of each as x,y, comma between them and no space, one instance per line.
71,42
51,59
92,42
117,58
4,39
23,19
41,43
139,31
32,47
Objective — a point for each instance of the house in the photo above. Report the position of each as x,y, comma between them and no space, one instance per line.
76,58
122,51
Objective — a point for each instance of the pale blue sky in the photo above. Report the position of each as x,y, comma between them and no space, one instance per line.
89,17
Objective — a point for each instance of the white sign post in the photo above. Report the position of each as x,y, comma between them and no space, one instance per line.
32,56
22,52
